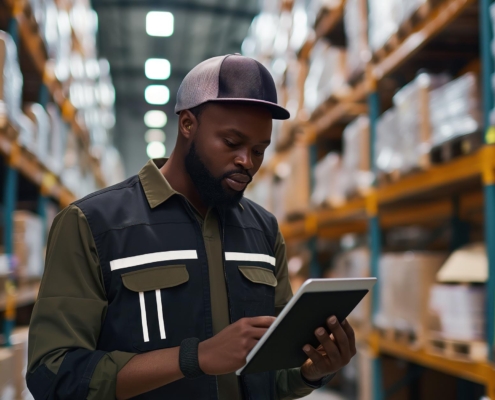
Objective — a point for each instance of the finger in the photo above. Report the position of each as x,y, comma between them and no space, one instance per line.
261,322
329,346
315,356
350,336
257,333
341,339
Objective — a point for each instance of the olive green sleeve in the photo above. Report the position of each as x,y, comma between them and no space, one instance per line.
68,313
283,291
289,382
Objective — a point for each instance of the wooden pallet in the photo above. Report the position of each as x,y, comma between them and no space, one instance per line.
408,338
458,349
456,147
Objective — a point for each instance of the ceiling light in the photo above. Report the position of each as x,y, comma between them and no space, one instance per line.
155,119
157,68
157,94
154,135
159,23
155,150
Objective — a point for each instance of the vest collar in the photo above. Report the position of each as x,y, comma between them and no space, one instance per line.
155,185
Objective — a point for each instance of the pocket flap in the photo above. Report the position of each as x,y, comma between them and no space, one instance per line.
155,278
259,275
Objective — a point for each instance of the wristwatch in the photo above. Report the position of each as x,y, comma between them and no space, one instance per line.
188,358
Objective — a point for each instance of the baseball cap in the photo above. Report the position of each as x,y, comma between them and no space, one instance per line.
230,78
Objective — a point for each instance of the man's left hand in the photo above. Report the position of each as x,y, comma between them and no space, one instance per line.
335,351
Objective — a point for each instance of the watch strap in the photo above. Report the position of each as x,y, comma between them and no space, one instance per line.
188,358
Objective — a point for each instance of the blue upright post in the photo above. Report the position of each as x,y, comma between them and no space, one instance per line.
488,176
9,201
375,239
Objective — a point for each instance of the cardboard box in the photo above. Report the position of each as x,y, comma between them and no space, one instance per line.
454,269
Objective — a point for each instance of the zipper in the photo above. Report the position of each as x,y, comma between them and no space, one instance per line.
222,230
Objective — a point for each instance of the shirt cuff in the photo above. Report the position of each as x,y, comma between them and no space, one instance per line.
103,383
317,384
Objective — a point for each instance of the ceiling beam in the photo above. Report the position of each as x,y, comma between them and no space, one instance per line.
171,5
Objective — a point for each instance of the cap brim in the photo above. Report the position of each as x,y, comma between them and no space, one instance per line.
278,112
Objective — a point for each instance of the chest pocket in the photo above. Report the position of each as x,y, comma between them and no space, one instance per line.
258,285
153,312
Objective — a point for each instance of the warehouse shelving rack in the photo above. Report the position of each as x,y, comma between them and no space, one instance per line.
19,160
392,204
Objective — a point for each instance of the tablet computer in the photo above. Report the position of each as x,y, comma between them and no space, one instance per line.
316,300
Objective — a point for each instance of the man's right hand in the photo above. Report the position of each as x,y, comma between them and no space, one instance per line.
226,352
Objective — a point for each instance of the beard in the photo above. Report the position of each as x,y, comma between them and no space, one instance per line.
210,188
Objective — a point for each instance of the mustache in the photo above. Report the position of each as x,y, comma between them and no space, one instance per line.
233,172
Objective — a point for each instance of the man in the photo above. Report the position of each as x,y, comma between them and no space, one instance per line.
158,287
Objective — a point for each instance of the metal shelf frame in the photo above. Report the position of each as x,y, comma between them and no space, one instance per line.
371,213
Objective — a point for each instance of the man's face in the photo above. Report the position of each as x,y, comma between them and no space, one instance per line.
227,150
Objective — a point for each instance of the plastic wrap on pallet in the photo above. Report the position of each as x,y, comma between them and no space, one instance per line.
291,188
58,139
405,283
411,103
11,81
355,159
458,311
384,20
455,109
41,120
84,21
327,75
355,264
387,145
329,185
356,28
28,244
302,21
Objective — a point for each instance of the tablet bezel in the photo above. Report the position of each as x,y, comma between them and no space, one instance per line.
311,286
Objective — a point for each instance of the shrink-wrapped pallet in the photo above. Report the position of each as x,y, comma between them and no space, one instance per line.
356,157
329,185
455,109
413,118
327,75
387,145
58,139
356,28
405,283
355,264
28,244
458,311
38,115
291,191
384,20
11,82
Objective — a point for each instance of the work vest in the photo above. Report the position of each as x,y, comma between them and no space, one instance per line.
155,272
